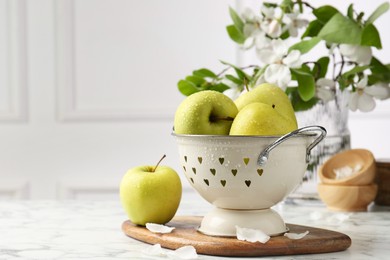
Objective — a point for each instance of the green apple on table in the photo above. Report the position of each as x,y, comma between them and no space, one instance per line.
206,112
150,194
265,110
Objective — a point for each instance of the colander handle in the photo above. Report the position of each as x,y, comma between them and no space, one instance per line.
263,157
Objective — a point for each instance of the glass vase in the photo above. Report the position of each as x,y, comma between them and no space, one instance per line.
332,115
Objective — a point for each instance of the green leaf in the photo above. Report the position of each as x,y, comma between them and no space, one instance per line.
378,67
370,37
298,103
325,13
269,4
220,87
287,6
379,72
237,21
204,73
187,87
340,29
383,8
235,34
306,84
233,79
350,11
196,80
305,46
321,67
343,83
354,71
313,29
240,73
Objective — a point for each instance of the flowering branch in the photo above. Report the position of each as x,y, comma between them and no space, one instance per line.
271,33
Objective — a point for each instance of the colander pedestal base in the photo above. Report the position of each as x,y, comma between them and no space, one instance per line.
223,222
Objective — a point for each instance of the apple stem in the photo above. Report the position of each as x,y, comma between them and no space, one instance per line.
155,167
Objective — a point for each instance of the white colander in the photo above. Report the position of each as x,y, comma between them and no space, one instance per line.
244,176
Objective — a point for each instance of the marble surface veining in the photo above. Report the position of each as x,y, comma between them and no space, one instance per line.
92,230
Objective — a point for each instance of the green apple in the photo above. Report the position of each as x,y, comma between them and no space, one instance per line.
206,112
271,95
265,110
260,119
150,194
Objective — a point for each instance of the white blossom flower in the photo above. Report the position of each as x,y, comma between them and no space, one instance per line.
380,91
356,53
325,89
294,23
255,36
363,98
280,62
270,23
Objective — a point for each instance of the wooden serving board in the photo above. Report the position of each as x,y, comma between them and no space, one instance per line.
185,233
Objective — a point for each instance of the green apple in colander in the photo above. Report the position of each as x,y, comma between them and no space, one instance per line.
206,112
265,110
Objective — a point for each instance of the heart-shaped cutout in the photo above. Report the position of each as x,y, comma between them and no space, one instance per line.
194,170
213,171
192,180
200,160
223,182
260,172
206,181
234,172
185,158
248,183
246,160
221,160
184,168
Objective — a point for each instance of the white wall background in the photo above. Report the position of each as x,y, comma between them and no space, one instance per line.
88,89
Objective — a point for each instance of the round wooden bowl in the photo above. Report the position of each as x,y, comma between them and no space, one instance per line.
351,158
347,198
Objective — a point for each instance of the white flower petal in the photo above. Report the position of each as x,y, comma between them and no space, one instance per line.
363,55
157,228
267,56
249,43
251,235
278,74
296,236
261,41
293,31
362,83
249,29
379,91
279,47
366,103
324,82
274,29
353,101
347,50
293,59
154,250
301,23
268,12
185,252
248,14
356,53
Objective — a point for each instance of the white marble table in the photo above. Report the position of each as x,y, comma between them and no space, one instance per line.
92,230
